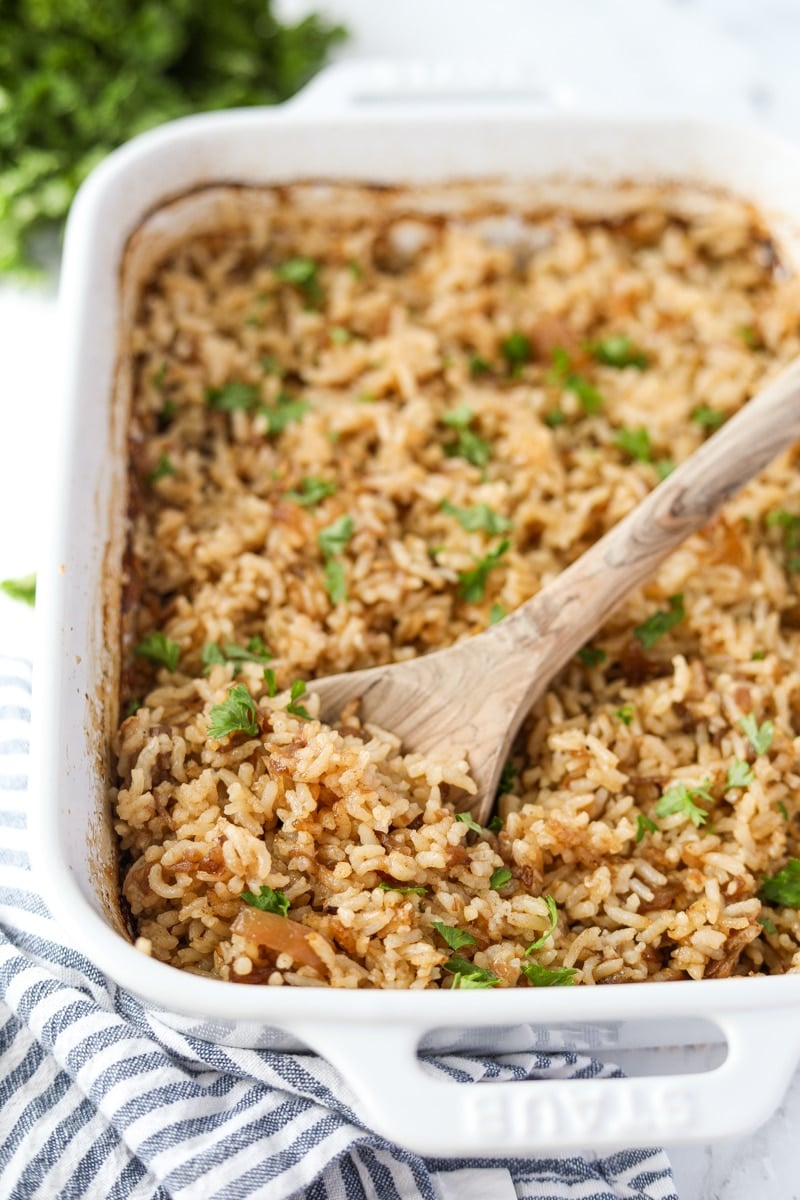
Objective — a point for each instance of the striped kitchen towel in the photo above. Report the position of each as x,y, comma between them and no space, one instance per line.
99,1099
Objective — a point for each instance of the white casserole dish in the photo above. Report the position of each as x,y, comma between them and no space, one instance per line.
355,123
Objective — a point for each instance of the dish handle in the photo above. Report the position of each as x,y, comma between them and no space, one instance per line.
380,85
406,1101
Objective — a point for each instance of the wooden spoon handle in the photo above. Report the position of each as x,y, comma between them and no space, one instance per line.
565,615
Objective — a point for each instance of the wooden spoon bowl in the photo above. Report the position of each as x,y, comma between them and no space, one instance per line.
472,697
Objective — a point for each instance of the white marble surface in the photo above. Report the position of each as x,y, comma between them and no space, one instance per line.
726,58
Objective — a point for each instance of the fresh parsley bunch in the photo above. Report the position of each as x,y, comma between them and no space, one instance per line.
78,77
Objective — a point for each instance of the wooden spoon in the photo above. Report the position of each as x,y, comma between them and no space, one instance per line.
474,695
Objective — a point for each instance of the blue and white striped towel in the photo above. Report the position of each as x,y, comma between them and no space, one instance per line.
98,1099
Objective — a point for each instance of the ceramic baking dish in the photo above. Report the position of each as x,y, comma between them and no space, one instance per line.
372,124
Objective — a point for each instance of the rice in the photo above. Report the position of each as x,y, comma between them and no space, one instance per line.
418,377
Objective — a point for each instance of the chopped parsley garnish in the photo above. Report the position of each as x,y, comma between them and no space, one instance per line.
625,714
478,366
480,517
592,656
285,411
499,879
497,613
516,350
467,819
133,708
660,622
472,583
563,376
340,336
335,580
664,467
255,652
267,900
302,273
271,366
496,824
162,470
236,714
355,269
405,891
707,417
159,375
233,397
635,443
740,774
782,809
749,336
554,418
768,923
680,798
644,825
298,689
617,350
334,537
22,589
311,491
790,523
468,445
158,648
270,681
758,655
508,777
783,888
552,913
548,976
759,736
467,975
455,938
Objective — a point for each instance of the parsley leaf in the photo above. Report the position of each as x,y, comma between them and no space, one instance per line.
749,336
547,976
236,714
255,652
497,613
508,777
405,891
298,689
660,622
270,681
664,467
472,583
334,537
636,443
481,517
625,714
554,418
339,335
158,648
499,879
267,900
335,580
303,274
680,798
783,888
23,589
455,938
759,736
783,810
468,445
768,923
617,350
496,824
552,913
592,656
516,350
563,376
286,411
467,819
740,774
707,417
311,491
478,366
232,397
644,825
467,975
162,470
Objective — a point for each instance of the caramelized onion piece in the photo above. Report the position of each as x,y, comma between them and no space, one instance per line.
276,933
